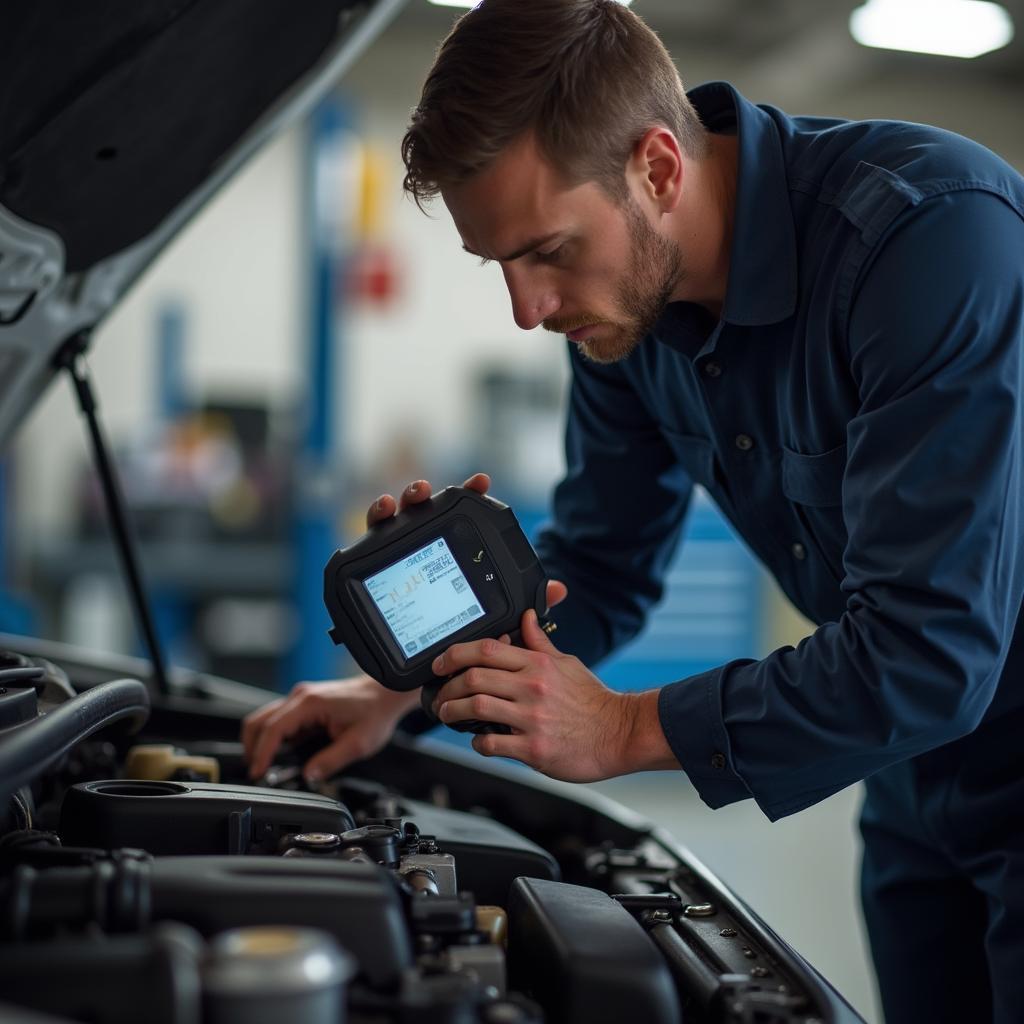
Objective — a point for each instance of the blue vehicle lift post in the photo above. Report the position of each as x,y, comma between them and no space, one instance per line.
314,529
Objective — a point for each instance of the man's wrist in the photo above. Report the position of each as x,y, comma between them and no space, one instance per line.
406,700
644,747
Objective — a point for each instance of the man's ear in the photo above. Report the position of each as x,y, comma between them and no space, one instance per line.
657,166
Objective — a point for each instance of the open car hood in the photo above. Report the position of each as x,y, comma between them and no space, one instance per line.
118,120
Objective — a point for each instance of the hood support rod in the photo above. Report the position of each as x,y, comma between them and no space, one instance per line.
71,357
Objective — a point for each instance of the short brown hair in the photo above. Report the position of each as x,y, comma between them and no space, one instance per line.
587,77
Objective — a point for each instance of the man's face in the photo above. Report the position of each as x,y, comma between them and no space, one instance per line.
574,260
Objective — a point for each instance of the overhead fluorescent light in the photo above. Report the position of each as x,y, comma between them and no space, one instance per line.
951,28
473,3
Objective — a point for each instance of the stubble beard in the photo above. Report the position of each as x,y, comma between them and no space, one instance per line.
655,270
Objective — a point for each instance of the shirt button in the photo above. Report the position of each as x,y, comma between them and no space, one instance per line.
718,761
713,369
744,442
799,551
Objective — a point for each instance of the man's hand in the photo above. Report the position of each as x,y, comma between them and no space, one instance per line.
358,715
565,722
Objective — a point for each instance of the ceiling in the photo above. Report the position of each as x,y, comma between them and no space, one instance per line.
774,30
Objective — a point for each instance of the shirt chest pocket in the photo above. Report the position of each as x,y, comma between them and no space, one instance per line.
814,486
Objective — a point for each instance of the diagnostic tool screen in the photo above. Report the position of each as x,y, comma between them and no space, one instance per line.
424,597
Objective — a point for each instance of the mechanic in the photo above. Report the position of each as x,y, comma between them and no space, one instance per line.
820,322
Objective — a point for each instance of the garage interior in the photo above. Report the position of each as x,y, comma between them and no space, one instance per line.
309,275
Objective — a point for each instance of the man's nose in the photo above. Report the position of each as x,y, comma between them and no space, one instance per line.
532,300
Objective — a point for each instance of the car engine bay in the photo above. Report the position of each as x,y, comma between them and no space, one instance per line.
142,877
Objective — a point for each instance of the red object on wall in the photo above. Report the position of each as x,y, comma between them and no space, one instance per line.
373,276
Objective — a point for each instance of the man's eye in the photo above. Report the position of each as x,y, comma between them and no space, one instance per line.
551,255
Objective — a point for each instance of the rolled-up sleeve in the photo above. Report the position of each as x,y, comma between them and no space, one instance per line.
932,502
617,514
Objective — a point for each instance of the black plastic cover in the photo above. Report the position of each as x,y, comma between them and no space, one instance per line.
119,980
584,957
166,818
358,904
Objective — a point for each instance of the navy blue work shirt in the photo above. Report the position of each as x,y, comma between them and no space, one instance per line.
856,414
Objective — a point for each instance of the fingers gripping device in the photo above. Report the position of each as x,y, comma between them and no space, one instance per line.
452,569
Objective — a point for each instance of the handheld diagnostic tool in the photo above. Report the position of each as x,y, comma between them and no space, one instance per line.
451,569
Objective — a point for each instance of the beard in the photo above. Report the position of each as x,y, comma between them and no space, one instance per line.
655,269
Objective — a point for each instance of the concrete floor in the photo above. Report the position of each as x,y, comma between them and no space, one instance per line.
799,873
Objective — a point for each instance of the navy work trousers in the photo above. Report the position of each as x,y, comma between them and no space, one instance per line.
942,880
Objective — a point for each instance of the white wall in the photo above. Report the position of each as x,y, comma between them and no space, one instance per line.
236,270
411,368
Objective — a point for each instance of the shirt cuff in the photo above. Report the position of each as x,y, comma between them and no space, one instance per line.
690,713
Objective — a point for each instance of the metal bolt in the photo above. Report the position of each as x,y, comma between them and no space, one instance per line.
760,972
661,915
700,910
749,953
316,839
728,933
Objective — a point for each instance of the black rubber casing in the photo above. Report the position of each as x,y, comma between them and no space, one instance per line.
491,549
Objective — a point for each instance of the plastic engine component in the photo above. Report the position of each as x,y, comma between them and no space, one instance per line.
168,818
162,761
584,957
358,904
113,981
489,855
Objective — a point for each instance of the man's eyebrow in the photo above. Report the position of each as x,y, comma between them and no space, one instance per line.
534,243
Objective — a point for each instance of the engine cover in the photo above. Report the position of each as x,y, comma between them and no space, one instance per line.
168,818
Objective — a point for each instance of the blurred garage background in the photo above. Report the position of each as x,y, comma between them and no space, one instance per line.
312,340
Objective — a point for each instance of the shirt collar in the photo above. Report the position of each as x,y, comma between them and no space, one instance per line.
762,286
